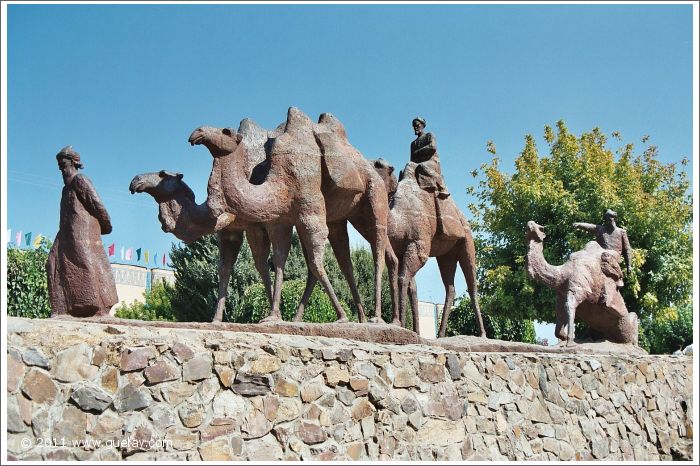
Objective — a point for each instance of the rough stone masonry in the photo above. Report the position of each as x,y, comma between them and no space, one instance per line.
91,391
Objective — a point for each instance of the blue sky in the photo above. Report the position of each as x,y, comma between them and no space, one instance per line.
126,84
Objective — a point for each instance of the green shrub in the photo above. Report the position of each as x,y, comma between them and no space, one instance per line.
254,305
462,321
156,307
27,288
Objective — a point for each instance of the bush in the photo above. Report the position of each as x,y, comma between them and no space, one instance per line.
669,331
463,322
254,305
27,288
156,307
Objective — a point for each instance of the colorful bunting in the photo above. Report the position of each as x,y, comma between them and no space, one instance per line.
164,256
122,252
129,252
37,241
145,256
138,255
18,238
155,259
28,239
110,250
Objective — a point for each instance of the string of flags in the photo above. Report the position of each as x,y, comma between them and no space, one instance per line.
139,255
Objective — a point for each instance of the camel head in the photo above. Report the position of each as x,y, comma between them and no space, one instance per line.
386,171
219,141
164,186
534,232
172,194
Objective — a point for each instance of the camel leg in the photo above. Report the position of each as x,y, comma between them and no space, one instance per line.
570,305
281,237
260,249
229,246
338,237
313,232
413,298
310,283
392,263
413,260
448,267
467,262
561,317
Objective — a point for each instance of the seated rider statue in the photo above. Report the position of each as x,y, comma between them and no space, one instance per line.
428,173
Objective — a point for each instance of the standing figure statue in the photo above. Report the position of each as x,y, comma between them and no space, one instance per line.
79,276
428,172
610,236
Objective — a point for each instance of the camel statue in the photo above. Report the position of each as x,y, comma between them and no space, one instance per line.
586,287
413,237
180,215
289,196
354,192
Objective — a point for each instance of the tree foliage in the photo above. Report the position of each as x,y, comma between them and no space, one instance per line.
27,288
157,305
196,280
196,273
577,181
463,322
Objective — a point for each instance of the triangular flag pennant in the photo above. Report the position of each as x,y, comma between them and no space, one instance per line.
164,256
138,255
37,241
129,252
122,252
145,255
28,239
18,238
155,259
110,250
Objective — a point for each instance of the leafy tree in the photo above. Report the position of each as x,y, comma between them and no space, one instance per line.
27,288
157,306
254,305
196,280
668,331
577,181
463,322
196,273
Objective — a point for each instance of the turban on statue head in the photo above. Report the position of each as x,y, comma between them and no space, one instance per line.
68,153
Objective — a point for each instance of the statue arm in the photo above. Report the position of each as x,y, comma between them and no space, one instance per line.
91,201
589,227
626,251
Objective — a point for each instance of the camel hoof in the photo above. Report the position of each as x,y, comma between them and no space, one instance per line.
483,335
342,320
271,318
377,320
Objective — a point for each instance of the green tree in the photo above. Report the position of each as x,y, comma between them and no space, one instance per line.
196,272
254,305
27,288
577,181
463,322
157,305
196,280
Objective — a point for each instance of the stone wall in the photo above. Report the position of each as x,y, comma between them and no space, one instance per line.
110,392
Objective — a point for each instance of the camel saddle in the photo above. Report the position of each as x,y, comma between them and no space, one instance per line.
451,222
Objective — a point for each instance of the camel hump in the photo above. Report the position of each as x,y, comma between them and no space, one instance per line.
339,156
255,138
298,123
